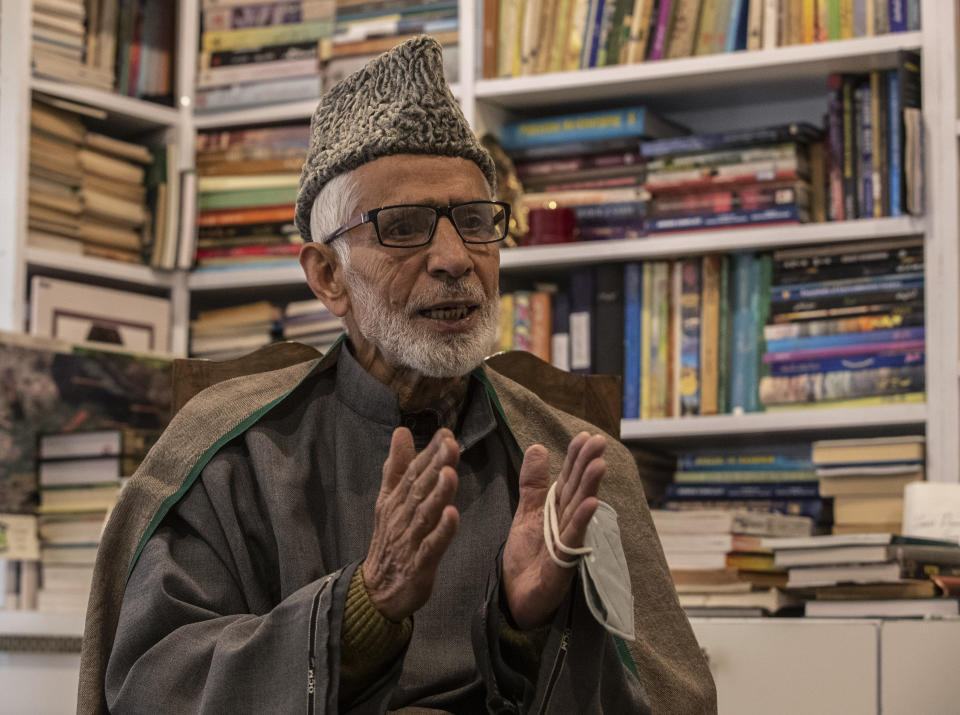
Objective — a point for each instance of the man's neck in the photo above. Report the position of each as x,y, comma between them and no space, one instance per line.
414,391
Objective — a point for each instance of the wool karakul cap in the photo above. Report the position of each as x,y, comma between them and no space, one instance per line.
399,103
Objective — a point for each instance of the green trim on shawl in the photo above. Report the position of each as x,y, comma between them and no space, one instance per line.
205,458
622,650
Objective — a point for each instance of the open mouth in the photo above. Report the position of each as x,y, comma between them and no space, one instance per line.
448,312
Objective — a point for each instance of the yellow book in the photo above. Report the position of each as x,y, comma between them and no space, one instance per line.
516,67
808,22
561,35
506,322
225,40
709,334
907,398
640,25
846,19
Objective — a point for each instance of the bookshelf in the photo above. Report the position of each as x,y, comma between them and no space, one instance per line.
700,91
703,92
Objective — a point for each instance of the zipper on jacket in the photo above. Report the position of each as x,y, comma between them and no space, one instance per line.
555,671
312,651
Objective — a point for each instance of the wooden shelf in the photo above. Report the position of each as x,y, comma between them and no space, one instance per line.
825,421
280,112
698,242
133,112
690,81
39,623
102,268
287,274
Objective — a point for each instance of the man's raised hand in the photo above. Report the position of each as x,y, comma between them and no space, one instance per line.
414,523
533,584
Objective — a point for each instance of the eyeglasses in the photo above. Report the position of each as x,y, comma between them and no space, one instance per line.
412,225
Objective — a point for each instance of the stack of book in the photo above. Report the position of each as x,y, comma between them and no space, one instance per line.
553,36
80,477
247,188
719,563
590,163
86,193
59,47
312,323
846,325
875,138
866,478
770,175
364,29
870,575
776,478
122,45
19,562
261,53
227,333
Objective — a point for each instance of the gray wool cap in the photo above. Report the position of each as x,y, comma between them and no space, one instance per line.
399,103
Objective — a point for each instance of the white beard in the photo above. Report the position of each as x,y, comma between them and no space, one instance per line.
403,345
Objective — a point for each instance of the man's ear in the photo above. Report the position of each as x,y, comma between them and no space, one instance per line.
324,274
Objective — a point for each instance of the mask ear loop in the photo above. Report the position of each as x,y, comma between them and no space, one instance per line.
551,533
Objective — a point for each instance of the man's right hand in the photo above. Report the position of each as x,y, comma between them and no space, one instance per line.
414,523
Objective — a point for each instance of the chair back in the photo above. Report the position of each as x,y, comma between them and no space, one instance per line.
594,398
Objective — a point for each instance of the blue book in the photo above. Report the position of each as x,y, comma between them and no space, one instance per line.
898,15
893,145
863,97
806,367
587,33
738,21
589,126
779,134
813,508
745,490
617,213
809,291
632,315
816,342
790,213
792,457
596,34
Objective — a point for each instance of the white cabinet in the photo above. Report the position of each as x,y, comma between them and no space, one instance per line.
793,666
920,667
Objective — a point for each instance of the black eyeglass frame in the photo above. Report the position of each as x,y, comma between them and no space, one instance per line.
438,212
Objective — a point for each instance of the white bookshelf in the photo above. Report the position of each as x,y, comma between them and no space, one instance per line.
127,110
134,274
836,421
41,624
691,75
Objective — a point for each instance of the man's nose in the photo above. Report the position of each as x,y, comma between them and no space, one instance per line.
447,253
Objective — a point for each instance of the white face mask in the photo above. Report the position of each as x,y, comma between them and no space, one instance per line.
403,343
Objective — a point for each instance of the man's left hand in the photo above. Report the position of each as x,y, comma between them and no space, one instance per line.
533,584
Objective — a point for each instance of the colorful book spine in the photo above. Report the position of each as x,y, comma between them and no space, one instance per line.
505,323
744,490
591,126
727,219
712,302
895,147
863,98
540,325
816,342
851,205
812,291
835,147
844,385
897,12
633,294
870,362
744,337
690,321
724,337
608,320
795,132
658,48
663,353
843,351
813,508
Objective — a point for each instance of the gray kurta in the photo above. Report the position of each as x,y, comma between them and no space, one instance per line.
244,581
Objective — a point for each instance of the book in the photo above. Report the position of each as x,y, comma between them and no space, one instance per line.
710,542
931,510
743,490
581,316
835,540
738,522
902,608
633,291
942,553
836,574
768,601
869,451
636,122
607,338
746,476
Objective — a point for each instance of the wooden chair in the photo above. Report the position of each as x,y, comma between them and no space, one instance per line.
594,398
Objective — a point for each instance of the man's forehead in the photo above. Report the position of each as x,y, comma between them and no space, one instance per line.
415,179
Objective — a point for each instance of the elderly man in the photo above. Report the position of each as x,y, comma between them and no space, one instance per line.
391,526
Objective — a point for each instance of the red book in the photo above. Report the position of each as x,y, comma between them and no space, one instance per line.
233,217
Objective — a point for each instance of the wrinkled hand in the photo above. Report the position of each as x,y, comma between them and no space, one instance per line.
414,523
534,585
